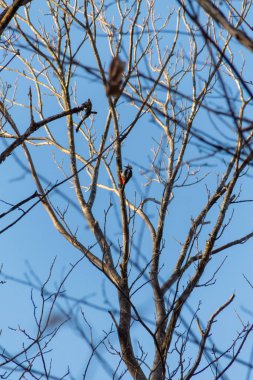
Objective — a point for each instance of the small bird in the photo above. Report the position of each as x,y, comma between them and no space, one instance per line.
125,176
88,107
88,111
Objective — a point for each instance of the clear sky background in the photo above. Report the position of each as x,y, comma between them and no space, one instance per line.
29,248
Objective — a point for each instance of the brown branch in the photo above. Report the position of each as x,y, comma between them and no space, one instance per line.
205,334
219,17
7,15
17,205
33,127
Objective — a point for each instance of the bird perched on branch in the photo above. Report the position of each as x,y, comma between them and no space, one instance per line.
88,106
125,176
88,111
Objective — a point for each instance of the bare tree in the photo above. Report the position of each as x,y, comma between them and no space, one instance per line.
92,80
